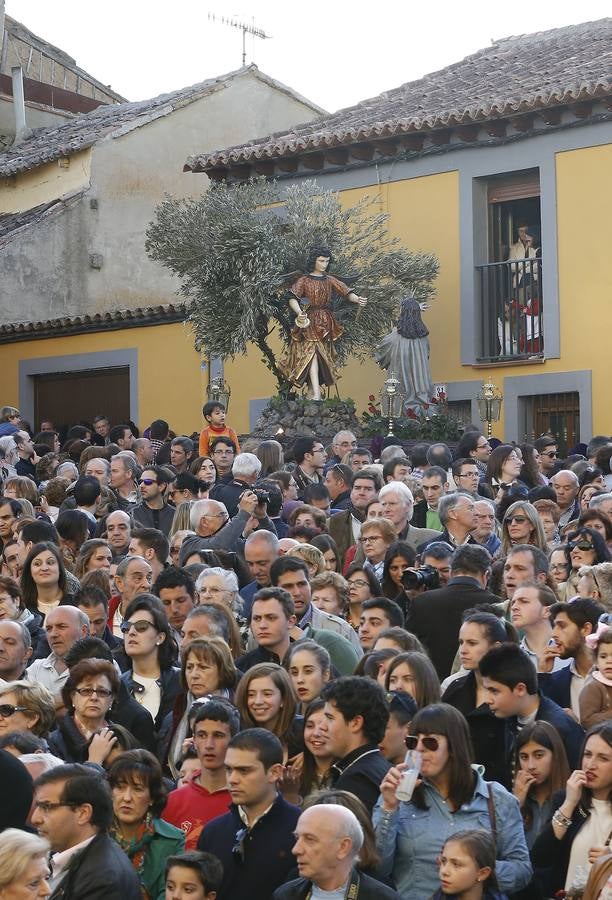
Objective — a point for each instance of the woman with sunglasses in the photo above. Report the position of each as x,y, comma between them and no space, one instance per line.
88,694
362,585
26,706
585,547
598,521
450,796
522,525
580,829
139,797
153,679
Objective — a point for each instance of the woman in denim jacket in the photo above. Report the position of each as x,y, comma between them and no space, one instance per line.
451,796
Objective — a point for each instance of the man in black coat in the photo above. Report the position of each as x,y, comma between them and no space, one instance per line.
254,839
73,810
435,616
356,716
328,841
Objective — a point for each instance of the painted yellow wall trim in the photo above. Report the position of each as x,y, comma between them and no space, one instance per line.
45,183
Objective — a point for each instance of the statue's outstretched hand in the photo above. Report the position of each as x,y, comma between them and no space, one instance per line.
361,301
302,321
424,306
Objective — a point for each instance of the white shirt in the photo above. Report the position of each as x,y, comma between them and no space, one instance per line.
150,698
577,683
319,894
61,860
533,656
44,672
594,833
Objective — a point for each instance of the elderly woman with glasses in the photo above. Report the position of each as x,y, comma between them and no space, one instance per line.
220,586
450,795
89,693
522,525
26,706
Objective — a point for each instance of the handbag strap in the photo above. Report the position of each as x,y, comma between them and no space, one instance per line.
491,808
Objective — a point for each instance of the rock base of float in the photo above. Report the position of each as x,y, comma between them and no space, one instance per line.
284,420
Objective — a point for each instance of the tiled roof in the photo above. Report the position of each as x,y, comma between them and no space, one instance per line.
110,321
514,75
12,223
48,144
19,31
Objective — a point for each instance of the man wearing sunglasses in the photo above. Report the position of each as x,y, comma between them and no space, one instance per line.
153,511
548,450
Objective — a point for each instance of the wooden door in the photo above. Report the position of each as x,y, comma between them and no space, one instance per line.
70,397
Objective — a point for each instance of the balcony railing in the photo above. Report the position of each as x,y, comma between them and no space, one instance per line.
510,310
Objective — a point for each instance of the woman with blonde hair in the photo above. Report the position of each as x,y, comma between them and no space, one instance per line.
271,456
522,525
26,706
312,556
182,518
24,866
21,488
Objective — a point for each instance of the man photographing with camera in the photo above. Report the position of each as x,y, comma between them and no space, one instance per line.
436,615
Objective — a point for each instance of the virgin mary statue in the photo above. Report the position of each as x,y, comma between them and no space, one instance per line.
405,351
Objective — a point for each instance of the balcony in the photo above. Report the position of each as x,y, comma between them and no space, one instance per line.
509,311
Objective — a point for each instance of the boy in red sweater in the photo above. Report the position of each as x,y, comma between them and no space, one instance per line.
206,796
214,415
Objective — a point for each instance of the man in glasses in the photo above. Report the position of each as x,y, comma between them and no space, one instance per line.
255,838
215,530
223,451
343,442
153,511
73,810
566,486
548,450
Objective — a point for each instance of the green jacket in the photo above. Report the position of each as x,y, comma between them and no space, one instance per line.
165,841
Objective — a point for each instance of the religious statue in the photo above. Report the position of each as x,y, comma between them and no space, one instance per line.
405,351
311,357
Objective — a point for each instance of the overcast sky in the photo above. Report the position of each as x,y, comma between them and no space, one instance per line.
334,53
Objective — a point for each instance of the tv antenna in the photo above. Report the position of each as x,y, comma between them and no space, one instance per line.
244,27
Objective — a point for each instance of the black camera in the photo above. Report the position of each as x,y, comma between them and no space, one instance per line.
426,577
262,496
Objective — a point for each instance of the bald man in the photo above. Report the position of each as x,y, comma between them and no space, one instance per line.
328,841
63,626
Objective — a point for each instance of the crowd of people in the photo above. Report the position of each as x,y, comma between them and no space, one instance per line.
218,665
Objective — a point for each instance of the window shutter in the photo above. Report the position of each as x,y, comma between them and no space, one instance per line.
514,187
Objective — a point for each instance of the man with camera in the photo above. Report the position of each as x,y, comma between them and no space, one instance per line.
435,616
245,471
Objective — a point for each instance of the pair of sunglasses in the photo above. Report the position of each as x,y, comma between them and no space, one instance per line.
429,742
140,626
520,519
7,710
580,545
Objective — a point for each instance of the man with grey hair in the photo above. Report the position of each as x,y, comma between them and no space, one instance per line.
205,620
123,469
15,649
398,506
214,530
342,443
134,576
260,551
566,485
602,502
63,626
456,513
245,472
328,840
484,532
